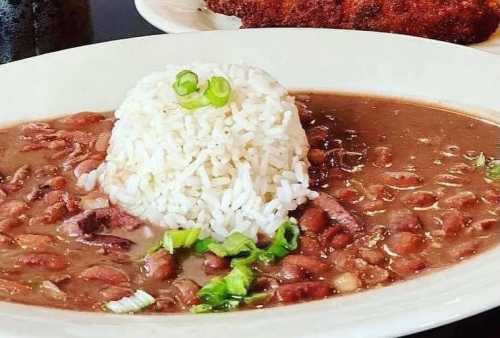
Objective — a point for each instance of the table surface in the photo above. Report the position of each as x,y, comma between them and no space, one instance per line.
118,19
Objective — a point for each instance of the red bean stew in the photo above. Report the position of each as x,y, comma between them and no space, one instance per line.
404,189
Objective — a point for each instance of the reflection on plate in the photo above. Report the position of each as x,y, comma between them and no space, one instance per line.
179,16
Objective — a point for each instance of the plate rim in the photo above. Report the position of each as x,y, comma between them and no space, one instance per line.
493,300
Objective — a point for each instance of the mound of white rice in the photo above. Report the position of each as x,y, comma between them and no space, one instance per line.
241,167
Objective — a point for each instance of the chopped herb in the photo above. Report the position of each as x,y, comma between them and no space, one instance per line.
176,239
215,292
238,280
218,91
201,245
234,245
493,170
190,96
186,83
285,240
480,161
255,298
138,301
202,308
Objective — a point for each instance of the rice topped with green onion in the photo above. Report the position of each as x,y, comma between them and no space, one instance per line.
216,147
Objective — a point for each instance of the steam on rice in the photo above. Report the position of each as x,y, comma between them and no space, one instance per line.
241,167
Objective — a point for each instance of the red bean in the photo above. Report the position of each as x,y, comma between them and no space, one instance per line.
294,292
49,261
114,293
316,156
309,246
53,197
383,157
105,273
485,224
214,264
291,273
406,267
373,275
317,136
21,175
343,260
186,291
372,207
347,195
461,200
309,264
453,222
340,241
55,212
403,220
380,192
160,265
402,179
313,220
451,180
372,255
404,243
56,183
420,199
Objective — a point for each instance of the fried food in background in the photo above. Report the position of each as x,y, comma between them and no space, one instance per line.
458,21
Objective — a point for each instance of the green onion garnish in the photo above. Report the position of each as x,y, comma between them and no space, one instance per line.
255,298
238,280
176,239
186,83
201,245
285,240
193,101
493,170
480,160
138,301
218,91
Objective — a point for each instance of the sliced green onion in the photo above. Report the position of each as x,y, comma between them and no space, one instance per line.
176,239
215,292
193,101
218,91
201,245
493,170
238,280
186,83
255,298
285,240
202,308
480,161
138,301
235,244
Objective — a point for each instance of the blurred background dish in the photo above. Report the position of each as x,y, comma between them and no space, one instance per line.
178,16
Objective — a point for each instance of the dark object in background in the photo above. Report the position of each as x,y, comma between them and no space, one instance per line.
33,27
458,21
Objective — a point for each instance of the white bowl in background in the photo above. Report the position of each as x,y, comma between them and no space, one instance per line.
97,78
181,16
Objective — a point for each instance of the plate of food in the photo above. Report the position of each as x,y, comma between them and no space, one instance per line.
223,184
472,22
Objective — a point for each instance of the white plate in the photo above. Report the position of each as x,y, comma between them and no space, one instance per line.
97,78
180,16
